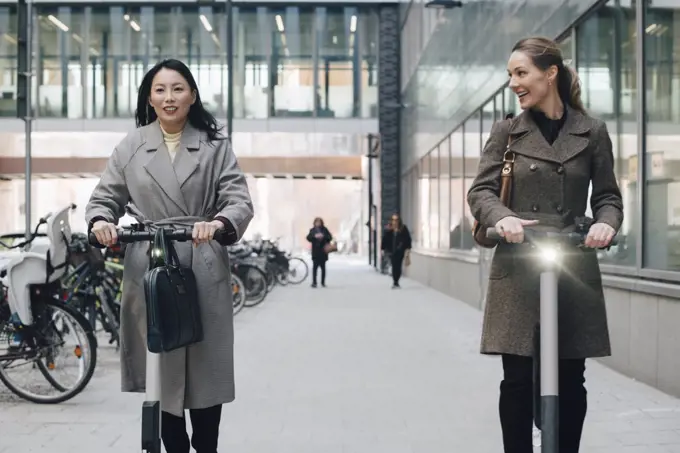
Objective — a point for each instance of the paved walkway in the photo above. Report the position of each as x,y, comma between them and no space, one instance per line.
352,368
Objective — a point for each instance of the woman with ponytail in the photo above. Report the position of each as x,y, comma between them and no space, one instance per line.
559,153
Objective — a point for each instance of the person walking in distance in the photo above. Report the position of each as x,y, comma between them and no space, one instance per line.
396,242
179,171
562,163
320,238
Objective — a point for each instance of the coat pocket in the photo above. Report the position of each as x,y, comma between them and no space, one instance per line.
216,260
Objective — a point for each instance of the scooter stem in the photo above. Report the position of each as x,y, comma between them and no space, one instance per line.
549,361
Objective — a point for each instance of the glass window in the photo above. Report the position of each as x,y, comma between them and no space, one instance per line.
444,193
252,56
59,73
8,60
92,60
338,59
511,104
457,221
606,64
566,46
368,46
424,201
473,148
433,219
662,178
292,60
498,109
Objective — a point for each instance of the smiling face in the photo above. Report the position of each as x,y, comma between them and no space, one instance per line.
171,98
531,84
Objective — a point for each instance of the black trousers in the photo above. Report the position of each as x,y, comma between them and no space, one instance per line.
397,260
516,404
205,424
316,265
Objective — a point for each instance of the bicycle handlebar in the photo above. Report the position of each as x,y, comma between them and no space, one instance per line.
181,235
530,235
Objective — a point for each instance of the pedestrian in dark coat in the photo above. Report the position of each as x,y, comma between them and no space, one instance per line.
396,242
320,238
559,152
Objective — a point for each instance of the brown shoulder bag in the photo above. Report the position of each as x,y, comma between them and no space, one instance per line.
478,230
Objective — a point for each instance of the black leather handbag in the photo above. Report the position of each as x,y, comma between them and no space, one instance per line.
172,311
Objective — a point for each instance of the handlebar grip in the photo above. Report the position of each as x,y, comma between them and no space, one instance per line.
92,239
492,234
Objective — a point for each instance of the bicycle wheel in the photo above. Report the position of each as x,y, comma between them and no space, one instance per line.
40,346
238,294
255,281
298,270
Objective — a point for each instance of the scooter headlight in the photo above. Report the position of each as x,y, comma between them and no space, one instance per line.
549,254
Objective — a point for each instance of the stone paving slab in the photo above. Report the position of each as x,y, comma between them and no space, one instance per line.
352,368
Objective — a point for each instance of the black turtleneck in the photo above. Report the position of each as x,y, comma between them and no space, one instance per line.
549,128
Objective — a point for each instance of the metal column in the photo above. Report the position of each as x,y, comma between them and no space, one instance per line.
230,66
24,87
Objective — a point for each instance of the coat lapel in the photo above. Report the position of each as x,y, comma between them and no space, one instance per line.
186,162
160,168
528,140
573,138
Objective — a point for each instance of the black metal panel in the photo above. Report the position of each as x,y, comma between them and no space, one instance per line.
389,108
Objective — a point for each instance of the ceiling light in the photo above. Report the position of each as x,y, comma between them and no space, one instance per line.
58,23
444,4
206,24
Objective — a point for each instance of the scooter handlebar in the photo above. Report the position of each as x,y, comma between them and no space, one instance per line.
530,235
181,235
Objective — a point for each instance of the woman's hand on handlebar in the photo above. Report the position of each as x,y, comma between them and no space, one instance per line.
599,236
106,232
204,231
512,228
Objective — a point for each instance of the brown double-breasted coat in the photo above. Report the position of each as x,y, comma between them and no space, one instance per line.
550,184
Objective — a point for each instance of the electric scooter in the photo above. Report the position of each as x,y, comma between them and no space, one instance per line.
151,408
546,361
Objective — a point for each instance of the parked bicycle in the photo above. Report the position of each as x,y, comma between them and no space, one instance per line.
38,332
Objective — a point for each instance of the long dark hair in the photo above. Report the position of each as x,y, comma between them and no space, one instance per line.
198,116
320,220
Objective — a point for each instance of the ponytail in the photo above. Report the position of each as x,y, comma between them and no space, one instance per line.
569,88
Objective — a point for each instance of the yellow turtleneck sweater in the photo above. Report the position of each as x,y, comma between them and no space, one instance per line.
171,142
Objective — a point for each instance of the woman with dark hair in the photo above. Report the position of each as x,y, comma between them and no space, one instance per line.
558,152
178,171
396,242
320,238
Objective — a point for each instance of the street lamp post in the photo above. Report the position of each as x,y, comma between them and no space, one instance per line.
372,224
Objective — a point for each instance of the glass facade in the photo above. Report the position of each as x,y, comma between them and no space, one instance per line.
289,61
604,48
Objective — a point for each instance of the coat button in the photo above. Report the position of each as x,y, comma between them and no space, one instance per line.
559,208
533,167
560,170
534,208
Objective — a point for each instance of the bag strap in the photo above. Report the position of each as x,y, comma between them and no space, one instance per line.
507,172
163,253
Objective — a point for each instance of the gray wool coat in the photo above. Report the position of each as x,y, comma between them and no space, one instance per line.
550,184
203,182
